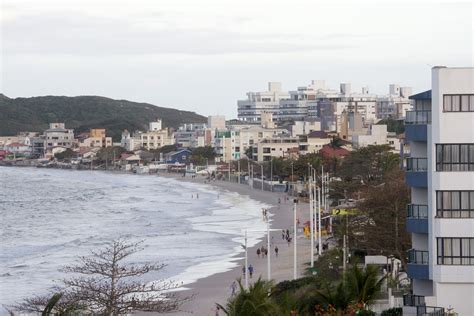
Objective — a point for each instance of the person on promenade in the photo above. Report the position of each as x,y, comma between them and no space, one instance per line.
258,252
262,250
233,288
250,270
289,241
283,234
217,310
197,195
276,251
266,252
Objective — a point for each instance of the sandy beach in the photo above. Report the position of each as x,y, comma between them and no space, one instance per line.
217,288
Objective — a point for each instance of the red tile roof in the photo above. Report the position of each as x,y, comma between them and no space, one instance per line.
329,152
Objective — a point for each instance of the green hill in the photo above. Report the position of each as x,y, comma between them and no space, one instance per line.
85,112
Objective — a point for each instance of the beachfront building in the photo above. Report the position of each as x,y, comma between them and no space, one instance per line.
250,109
278,147
156,137
440,173
193,135
96,138
57,135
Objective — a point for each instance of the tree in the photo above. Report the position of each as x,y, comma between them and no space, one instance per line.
202,155
369,164
67,154
109,153
379,228
364,285
255,301
336,142
105,283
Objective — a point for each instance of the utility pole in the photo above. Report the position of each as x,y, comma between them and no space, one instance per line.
319,222
292,181
238,164
269,266
271,174
246,263
294,242
344,252
261,176
311,213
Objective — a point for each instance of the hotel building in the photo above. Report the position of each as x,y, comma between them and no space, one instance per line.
440,173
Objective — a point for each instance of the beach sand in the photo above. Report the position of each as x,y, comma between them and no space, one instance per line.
216,288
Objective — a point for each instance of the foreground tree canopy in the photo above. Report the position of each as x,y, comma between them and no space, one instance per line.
105,283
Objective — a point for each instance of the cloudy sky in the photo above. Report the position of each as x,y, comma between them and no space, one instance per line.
204,55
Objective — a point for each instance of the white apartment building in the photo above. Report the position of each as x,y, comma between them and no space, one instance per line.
440,173
250,109
395,104
191,135
154,138
58,136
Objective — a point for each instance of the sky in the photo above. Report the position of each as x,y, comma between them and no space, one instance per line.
205,55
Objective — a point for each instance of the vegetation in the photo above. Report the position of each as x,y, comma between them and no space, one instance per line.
394,126
202,155
252,302
85,112
350,294
67,154
105,283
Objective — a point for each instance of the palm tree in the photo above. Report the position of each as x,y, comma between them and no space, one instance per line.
256,301
364,284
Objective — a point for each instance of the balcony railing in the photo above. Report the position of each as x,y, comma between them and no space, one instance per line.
417,164
417,211
418,117
429,311
413,300
418,256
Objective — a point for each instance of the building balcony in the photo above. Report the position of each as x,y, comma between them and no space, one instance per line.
417,172
418,117
417,218
418,267
413,300
416,125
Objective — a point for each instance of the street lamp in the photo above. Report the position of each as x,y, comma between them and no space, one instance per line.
261,175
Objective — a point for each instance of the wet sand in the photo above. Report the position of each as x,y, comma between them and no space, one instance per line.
217,288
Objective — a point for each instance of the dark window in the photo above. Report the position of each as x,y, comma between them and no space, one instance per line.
455,157
458,103
455,204
455,251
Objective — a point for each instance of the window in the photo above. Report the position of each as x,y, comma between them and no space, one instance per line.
455,251
455,204
458,103
455,157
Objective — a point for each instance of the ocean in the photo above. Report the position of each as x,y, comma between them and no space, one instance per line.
49,217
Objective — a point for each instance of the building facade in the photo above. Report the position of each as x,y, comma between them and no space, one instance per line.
440,173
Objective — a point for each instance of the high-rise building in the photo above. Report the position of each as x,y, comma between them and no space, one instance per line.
440,173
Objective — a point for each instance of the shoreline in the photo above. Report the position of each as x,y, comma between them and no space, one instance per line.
216,288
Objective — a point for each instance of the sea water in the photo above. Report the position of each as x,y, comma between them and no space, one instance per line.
50,217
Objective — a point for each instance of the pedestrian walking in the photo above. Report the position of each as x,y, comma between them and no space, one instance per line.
283,234
258,252
233,288
276,251
250,270
289,241
266,252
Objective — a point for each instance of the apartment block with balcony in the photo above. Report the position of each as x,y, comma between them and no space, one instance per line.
440,172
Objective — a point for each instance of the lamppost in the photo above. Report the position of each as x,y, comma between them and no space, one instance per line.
269,265
261,176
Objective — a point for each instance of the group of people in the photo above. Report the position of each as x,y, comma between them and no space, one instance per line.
196,195
285,235
250,268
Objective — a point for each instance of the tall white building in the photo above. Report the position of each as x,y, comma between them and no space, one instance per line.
440,173
258,102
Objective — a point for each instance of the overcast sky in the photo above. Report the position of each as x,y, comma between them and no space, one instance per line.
205,55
